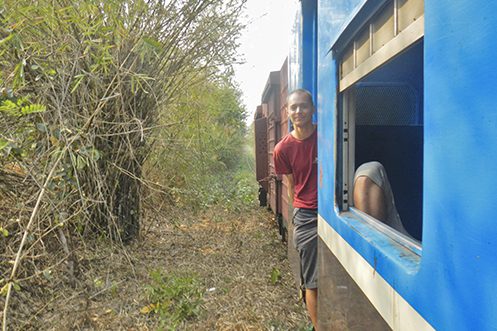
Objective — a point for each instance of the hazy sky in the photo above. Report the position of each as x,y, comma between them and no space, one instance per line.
264,45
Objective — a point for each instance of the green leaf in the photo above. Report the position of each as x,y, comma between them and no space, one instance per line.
81,162
3,143
4,232
34,108
99,283
148,308
73,158
94,154
9,107
79,79
5,288
19,74
152,42
42,127
6,39
275,276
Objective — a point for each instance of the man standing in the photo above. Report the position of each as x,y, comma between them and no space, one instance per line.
295,157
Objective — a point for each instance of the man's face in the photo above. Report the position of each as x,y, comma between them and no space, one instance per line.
300,109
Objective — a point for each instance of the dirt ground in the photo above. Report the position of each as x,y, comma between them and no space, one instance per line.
237,258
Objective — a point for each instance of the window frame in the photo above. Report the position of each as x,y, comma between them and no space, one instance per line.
346,101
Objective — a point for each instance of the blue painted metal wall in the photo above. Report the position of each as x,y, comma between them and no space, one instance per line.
453,286
309,44
460,156
303,50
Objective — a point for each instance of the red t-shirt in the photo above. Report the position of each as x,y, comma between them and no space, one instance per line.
299,158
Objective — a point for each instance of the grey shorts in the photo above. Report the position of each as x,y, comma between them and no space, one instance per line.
305,240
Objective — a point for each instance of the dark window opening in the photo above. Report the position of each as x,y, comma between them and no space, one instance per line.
382,120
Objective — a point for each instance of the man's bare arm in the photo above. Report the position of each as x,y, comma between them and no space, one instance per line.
289,179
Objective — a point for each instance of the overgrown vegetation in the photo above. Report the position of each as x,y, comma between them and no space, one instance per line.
106,107
174,298
204,160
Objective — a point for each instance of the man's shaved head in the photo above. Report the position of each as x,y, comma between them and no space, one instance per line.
301,91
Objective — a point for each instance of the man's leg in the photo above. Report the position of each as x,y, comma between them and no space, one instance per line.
369,198
373,195
305,240
311,302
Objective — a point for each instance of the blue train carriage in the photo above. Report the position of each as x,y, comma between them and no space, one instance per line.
411,84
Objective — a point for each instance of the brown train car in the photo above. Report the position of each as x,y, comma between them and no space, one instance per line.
261,153
271,124
271,99
286,226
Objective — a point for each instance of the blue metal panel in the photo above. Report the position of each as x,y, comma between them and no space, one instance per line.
460,153
303,57
453,285
332,15
302,62
309,44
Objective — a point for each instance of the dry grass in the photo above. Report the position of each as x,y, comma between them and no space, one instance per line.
87,91
233,257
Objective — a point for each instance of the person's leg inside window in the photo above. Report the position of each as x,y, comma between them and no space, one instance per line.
373,195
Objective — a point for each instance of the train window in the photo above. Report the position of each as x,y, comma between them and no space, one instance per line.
380,109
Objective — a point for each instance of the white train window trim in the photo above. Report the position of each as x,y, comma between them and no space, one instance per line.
401,41
394,309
